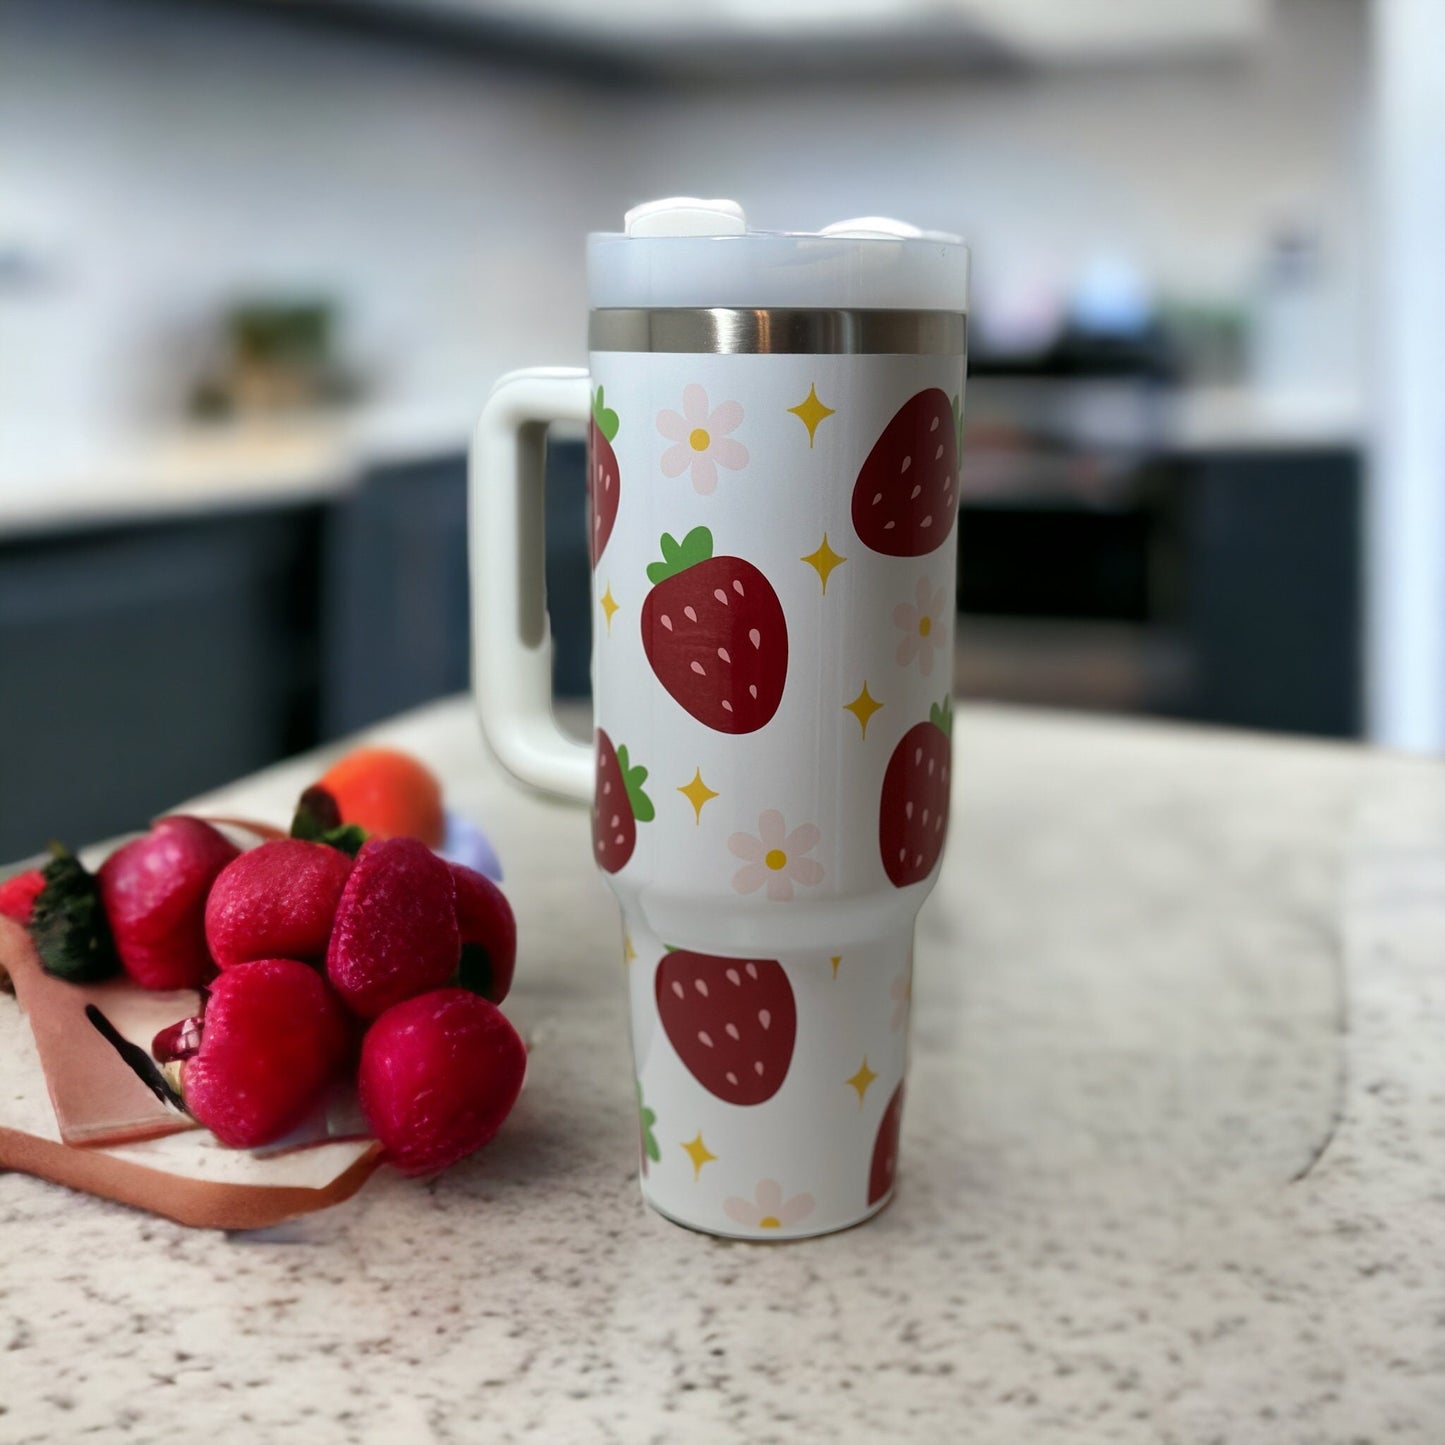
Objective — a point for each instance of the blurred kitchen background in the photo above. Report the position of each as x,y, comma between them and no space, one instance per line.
260,263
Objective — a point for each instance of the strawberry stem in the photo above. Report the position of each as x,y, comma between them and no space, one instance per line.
647,1118
604,417
941,716
634,775
679,556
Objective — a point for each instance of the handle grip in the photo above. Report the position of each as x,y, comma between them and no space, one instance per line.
511,637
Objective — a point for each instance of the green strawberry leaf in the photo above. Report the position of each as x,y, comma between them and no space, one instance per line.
647,1119
68,926
347,839
318,820
679,556
316,811
633,777
605,417
941,716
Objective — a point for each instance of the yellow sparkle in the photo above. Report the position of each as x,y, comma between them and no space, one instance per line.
863,707
628,951
697,793
699,1153
810,411
860,1081
836,959
610,605
823,561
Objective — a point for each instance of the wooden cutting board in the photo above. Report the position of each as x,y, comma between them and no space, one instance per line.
170,1167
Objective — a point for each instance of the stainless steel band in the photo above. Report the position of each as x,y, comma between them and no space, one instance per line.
733,330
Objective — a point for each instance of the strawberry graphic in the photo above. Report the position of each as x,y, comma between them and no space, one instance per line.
885,1149
618,805
715,634
913,811
731,1020
906,496
604,481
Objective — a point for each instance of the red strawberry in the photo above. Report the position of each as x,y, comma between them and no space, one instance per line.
715,634
154,891
604,481
488,932
439,1074
618,805
276,901
885,1149
913,810
731,1020
396,932
272,1037
906,496
18,895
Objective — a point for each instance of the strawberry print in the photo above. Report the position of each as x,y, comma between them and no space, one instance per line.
714,631
604,480
906,496
913,809
732,1022
885,1149
618,805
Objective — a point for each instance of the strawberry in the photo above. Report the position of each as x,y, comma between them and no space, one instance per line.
913,809
395,933
439,1075
18,895
618,805
885,1149
273,1037
488,932
714,631
906,496
731,1020
154,890
604,481
276,901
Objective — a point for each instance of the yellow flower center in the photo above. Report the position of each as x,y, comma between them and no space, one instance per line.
925,626
776,859
769,1221
698,439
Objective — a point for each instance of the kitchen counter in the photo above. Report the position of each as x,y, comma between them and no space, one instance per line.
286,461
198,468
1171,1162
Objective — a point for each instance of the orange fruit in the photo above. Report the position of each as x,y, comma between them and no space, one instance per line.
389,794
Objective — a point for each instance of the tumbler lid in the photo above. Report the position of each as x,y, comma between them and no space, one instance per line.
687,252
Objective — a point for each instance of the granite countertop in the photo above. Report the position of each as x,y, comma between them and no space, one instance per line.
1171,1166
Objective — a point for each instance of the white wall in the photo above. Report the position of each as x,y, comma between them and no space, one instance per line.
1184,168
1407,491
158,160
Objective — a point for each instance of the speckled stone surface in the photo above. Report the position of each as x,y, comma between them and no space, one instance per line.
1173,1162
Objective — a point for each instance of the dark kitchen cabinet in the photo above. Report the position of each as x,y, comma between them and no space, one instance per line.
141,665
396,620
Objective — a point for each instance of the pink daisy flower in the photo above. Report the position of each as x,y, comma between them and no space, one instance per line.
702,438
776,857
